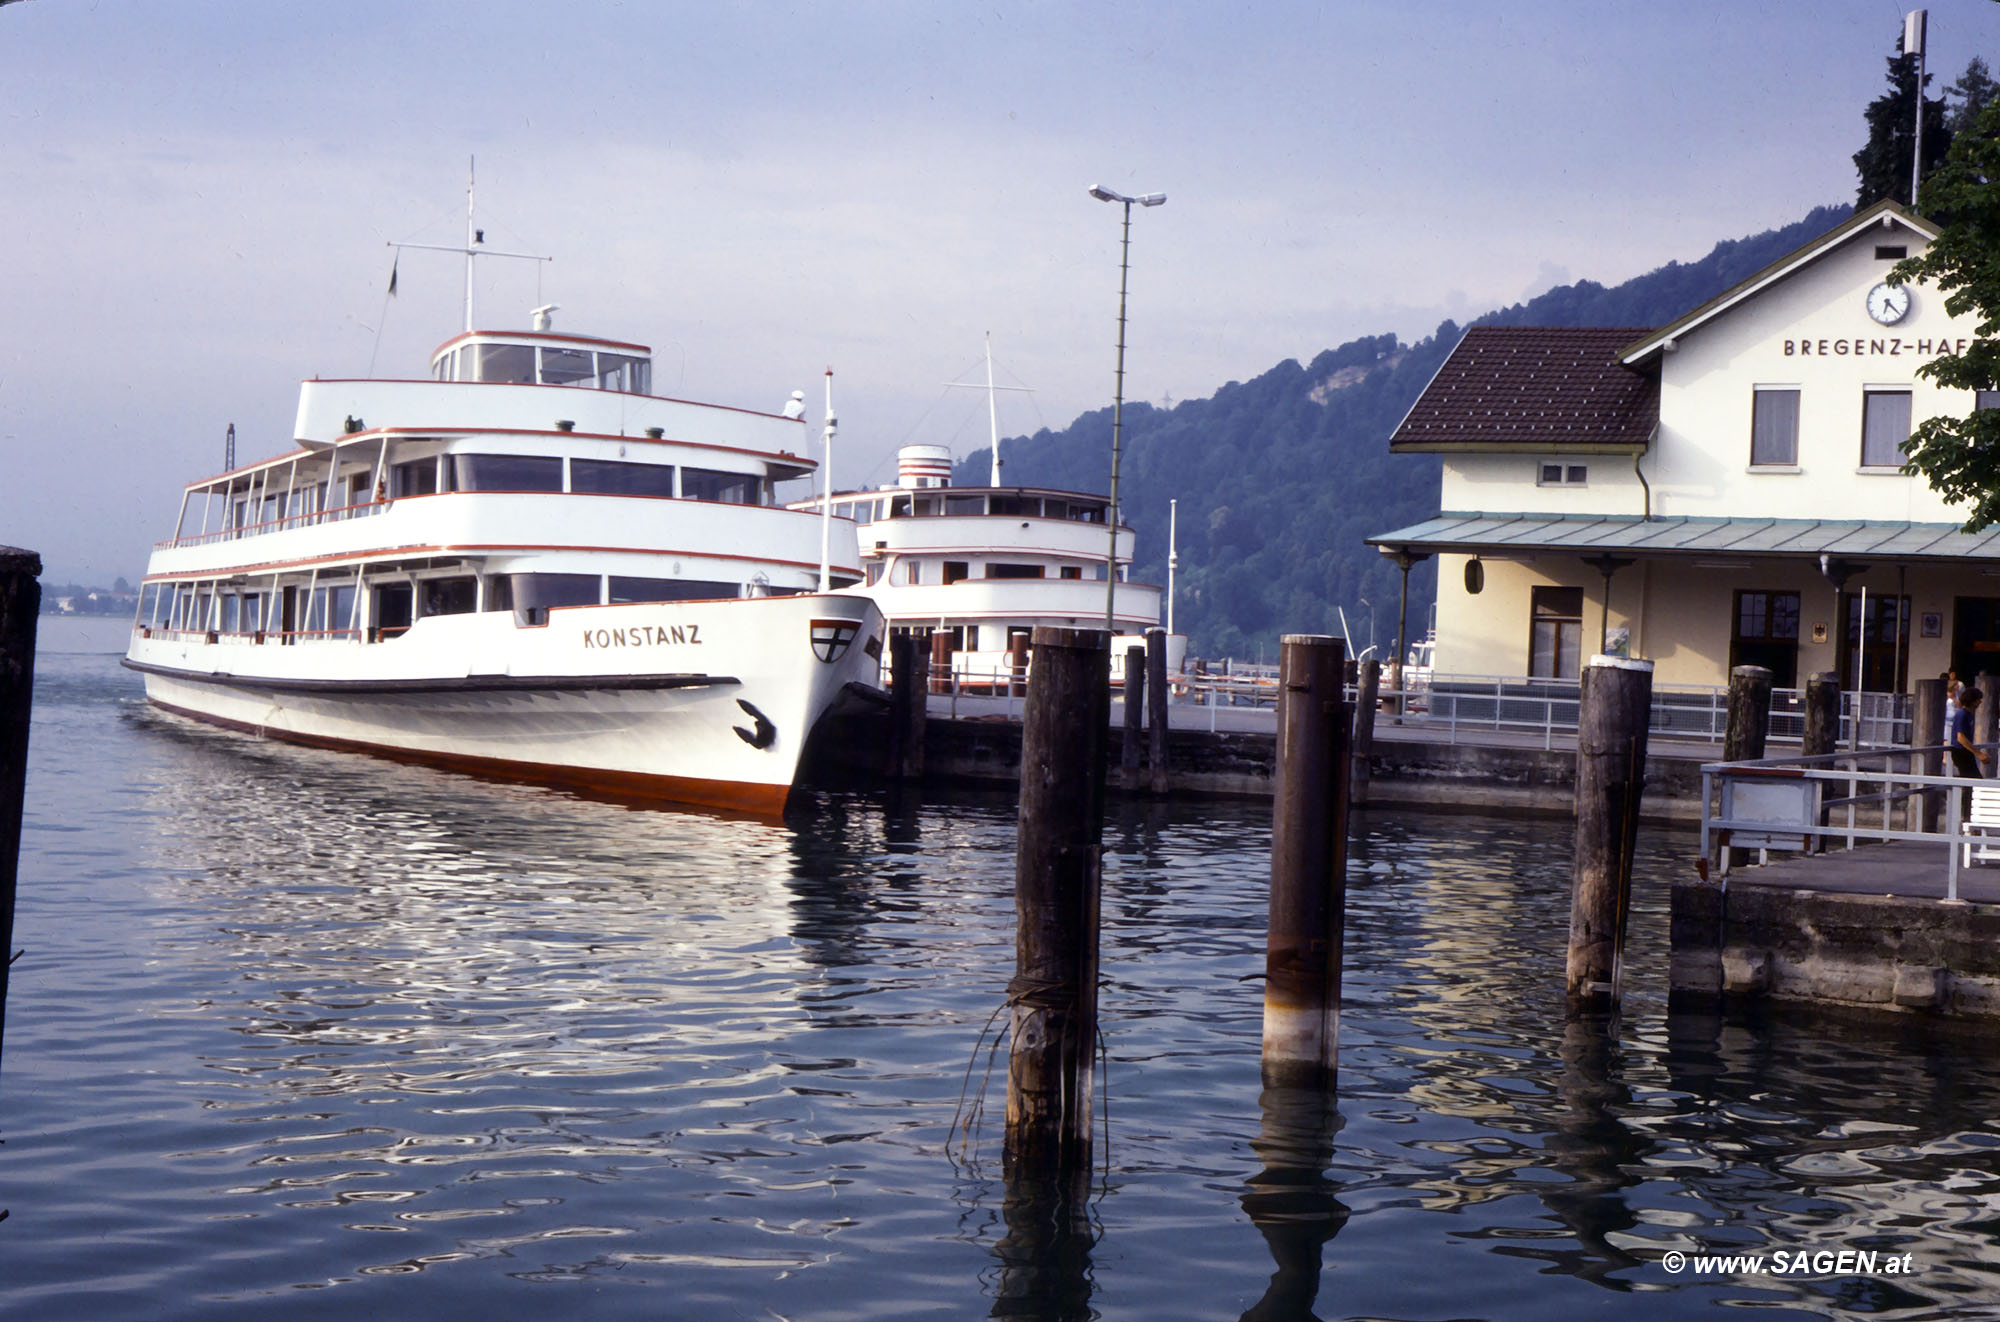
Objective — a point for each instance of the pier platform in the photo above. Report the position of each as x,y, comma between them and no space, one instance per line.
1864,928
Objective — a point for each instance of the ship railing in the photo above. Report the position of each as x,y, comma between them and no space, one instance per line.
300,519
1807,805
254,636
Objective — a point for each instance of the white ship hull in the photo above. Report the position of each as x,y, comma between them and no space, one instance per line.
706,702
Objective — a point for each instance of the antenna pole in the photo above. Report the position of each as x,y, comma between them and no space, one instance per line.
992,412
470,234
826,496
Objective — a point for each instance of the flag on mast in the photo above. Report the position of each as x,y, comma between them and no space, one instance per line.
393,267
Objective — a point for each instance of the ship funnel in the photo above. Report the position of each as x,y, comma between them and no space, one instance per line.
923,466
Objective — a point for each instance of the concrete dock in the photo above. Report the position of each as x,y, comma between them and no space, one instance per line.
1866,928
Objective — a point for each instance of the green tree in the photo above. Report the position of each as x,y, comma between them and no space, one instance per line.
1961,456
1884,163
1971,94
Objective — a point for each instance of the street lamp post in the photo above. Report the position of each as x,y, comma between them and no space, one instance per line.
1118,395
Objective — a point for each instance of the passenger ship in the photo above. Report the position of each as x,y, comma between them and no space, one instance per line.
526,565
979,567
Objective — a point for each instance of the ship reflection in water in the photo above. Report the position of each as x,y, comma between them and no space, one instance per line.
307,1035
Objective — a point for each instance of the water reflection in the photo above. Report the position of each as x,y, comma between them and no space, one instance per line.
1044,1256
1292,1202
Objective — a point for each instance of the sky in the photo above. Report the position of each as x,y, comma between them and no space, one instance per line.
198,198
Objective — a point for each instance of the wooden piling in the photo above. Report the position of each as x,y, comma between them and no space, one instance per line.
1156,711
1130,746
20,605
1065,730
1367,691
907,706
1017,665
1927,731
1749,714
1823,713
941,653
1308,867
1610,775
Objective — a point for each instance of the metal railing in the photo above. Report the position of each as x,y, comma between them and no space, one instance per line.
1804,804
1455,708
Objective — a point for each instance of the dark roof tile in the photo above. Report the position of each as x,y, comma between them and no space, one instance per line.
1532,387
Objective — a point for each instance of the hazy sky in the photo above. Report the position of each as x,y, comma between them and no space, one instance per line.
197,198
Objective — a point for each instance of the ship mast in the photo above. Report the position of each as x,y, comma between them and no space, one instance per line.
992,407
826,496
475,244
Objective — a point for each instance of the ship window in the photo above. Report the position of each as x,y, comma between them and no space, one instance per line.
1056,509
253,611
617,371
1016,571
507,362
956,571
450,596
673,589
533,592
506,472
965,504
707,484
395,604
562,367
609,477
419,477
1017,506
1072,571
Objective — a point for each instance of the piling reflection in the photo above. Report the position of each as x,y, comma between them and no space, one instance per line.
1291,1201
1045,1254
1598,1152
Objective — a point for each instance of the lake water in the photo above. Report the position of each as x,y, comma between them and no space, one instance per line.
304,1035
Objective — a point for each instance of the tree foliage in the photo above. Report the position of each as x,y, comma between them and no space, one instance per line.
1884,162
1960,457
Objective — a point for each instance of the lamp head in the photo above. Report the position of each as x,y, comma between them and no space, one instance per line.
1152,199
1103,194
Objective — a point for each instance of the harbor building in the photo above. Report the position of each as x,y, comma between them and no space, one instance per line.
1723,490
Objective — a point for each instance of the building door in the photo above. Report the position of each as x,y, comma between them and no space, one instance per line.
1975,637
1878,644
1555,639
1767,635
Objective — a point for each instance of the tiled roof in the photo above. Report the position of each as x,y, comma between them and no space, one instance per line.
1534,388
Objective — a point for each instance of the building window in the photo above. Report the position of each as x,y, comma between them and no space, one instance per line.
1563,475
1885,425
1555,645
1774,428
1987,399
1891,252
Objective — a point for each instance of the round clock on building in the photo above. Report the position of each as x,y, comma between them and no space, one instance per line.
1889,304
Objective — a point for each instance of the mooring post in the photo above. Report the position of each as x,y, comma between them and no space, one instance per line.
1017,665
1822,733
1308,867
20,605
1129,746
902,679
1927,731
1610,778
1749,714
1058,857
1156,710
1367,690
941,652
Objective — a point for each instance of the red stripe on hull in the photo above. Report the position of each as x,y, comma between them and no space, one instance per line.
762,801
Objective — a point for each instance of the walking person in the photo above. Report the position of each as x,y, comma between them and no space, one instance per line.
1967,758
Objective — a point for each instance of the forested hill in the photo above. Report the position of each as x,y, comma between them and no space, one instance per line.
1281,478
